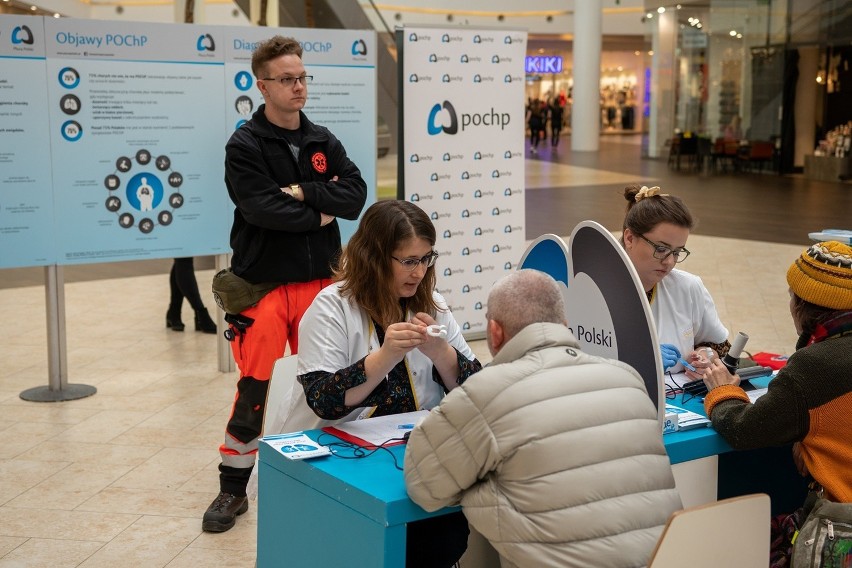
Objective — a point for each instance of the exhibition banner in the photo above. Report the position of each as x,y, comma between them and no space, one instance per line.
341,97
26,193
463,155
113,139
137,161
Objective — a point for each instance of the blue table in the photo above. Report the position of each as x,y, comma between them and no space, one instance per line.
331,511
334,512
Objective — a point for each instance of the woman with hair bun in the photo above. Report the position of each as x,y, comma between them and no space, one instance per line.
656,228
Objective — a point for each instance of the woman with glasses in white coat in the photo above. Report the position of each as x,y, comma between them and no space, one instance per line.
656,228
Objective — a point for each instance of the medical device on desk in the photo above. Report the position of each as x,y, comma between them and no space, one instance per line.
731,361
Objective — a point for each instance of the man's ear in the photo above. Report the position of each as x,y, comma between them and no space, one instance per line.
498,337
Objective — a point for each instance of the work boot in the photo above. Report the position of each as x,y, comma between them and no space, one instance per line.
203,321
222,513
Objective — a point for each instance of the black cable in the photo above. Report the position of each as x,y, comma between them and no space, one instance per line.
359,452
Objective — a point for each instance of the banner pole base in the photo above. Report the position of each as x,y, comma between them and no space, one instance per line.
68,392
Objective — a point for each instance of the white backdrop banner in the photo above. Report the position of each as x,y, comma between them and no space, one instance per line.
463,155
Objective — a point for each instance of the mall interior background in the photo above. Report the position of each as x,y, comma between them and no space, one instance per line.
688,68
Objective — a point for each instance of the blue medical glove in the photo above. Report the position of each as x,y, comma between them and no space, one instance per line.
670,355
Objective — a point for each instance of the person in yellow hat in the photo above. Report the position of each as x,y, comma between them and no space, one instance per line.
810,400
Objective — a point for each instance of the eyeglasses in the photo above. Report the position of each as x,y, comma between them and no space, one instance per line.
662,252
411,264
291,81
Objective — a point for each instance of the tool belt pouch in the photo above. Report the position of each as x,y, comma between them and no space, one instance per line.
234,294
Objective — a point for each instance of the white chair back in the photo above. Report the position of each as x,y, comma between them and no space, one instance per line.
732,532
280,385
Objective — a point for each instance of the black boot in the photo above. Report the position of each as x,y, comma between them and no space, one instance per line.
173,319
222,512
203,321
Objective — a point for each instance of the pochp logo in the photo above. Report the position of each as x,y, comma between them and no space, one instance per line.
418,37
508,266
22,35
415,78
503,173
510,228
415,158
432,126
359,47
448,157
415,197
205,43
438,177
465,58
466,213
482,39
445,78
508,154
448,196
509,40
448,234
435,58
448,113
447,38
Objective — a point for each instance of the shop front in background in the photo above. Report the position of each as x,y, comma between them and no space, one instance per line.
621,87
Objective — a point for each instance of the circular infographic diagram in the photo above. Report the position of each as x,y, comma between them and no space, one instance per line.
144,191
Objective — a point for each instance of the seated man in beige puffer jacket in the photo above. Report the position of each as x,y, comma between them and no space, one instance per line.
555,456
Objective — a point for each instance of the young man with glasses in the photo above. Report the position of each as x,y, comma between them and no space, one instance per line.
654,236
289,180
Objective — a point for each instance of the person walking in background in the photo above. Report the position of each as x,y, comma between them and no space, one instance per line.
182,284
535,124
556,119
289,180
544,449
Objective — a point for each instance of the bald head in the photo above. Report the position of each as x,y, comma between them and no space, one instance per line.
522,298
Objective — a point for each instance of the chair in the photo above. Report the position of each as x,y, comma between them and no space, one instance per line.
759,153
280,384
732,532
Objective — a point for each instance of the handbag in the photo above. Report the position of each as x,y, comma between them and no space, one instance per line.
825,538
234,294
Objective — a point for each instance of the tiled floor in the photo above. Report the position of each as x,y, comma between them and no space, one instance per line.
122,478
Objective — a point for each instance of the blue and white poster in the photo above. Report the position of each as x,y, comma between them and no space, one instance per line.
463,155
137,162
341,97
26,192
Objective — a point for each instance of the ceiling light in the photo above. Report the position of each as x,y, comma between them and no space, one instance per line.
732,33
739,36
649,15
661,9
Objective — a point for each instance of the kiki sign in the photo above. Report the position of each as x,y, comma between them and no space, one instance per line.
543,64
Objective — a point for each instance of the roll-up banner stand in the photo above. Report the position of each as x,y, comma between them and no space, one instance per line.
605,305
461,157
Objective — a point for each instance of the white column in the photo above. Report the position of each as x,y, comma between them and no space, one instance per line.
663,75
586,110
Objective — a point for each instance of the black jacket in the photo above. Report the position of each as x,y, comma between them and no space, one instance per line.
276,238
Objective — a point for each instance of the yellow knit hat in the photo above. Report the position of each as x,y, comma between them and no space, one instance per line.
822,275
